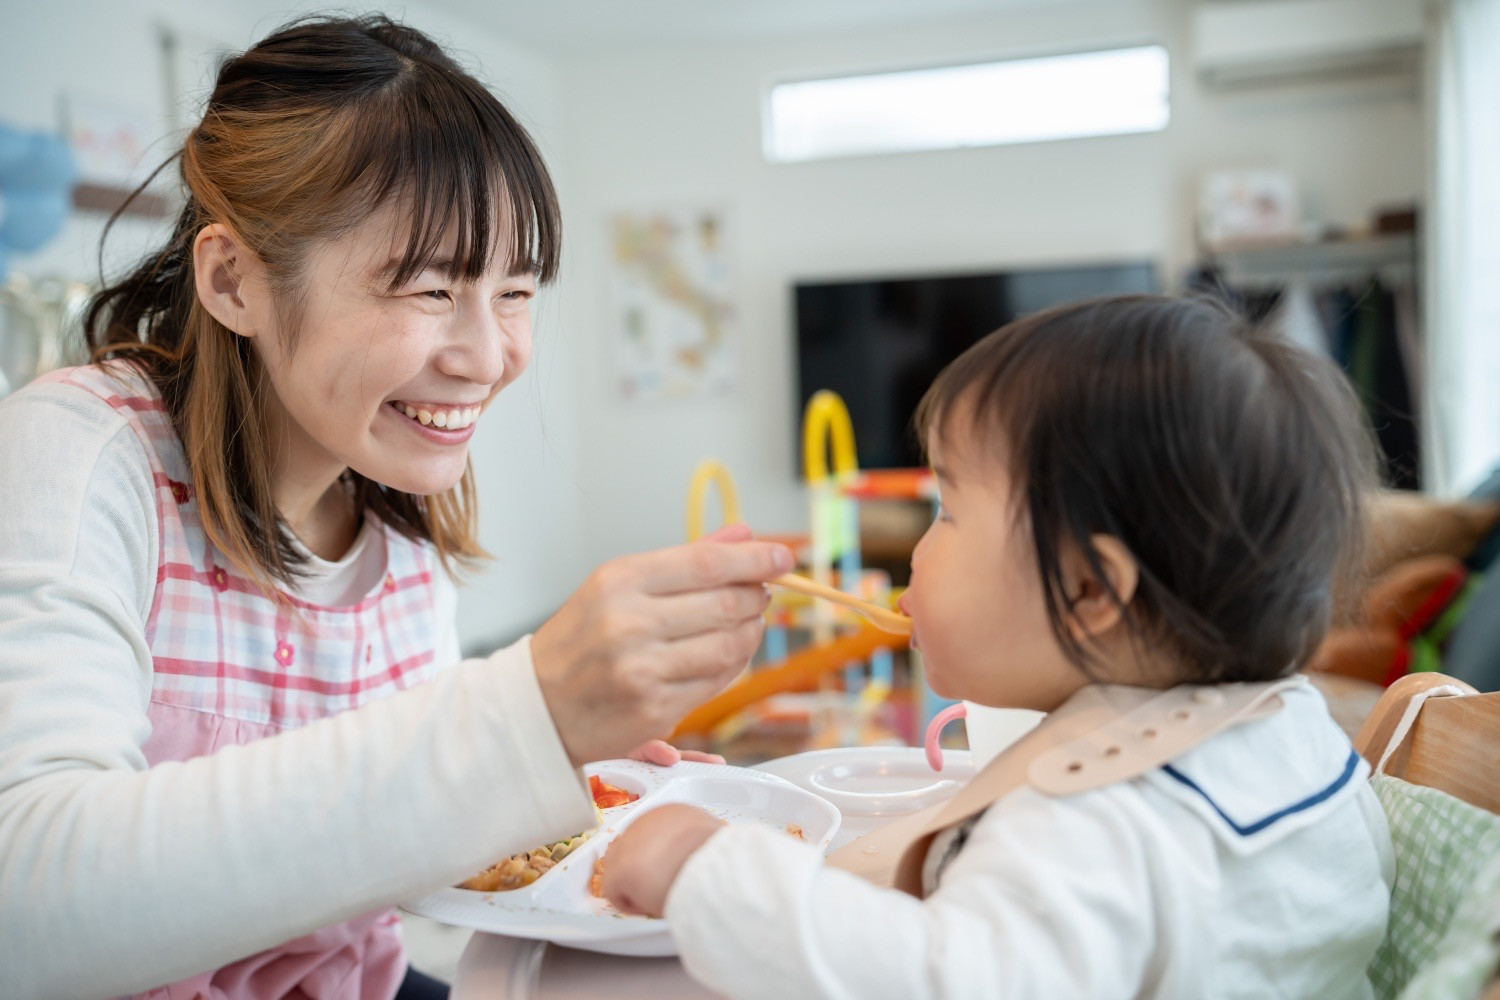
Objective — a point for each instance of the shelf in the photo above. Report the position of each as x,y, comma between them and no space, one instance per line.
1280,262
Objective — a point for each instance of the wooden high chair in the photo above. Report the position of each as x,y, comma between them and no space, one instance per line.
1452,745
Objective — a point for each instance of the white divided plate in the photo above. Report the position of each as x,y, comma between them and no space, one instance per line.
873,785
558,906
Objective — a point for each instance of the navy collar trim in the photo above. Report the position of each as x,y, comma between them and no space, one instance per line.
1349,768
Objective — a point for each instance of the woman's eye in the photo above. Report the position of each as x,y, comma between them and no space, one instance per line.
439,294
516,294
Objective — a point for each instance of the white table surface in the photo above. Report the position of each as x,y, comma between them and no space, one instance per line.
505,968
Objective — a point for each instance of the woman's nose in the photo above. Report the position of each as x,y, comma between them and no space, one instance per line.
476,351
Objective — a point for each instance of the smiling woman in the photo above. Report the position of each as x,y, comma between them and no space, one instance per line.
236,731
298,214
367,342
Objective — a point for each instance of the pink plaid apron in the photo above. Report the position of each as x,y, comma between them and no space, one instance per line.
232,666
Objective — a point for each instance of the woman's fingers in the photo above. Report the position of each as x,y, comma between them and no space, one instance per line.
689,614
737,532
662,753
707,564
701,757
658,752
648,637
711,659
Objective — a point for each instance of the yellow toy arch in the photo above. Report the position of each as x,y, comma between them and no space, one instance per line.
710,473
825,423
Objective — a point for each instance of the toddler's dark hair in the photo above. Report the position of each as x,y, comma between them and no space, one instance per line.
1232,464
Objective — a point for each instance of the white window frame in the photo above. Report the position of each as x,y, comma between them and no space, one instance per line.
1116,91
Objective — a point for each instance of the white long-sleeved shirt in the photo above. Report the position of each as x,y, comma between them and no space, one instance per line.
1255,865
115,877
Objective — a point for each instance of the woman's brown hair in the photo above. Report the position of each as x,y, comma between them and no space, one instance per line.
1231,464
305,135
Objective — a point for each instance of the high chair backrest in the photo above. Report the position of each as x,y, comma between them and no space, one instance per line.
1452,745
1437,741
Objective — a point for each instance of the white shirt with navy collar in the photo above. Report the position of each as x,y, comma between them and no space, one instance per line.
1256,864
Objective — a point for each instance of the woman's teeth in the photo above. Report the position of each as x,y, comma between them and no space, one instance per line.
448,419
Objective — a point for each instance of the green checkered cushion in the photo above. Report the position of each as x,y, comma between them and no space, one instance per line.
1444,935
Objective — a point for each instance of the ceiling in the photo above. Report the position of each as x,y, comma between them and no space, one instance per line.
560,26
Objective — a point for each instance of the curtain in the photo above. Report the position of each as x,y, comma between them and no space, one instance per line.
1463,261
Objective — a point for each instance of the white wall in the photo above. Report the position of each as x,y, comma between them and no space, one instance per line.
570,473
526,453
681,125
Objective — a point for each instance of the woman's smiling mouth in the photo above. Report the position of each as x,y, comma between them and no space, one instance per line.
438,415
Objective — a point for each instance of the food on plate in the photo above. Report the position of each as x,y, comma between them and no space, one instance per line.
609,796
520,870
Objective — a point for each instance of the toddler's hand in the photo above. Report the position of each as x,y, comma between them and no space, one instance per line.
643,862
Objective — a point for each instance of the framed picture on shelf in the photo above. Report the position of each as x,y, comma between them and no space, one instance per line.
1248,206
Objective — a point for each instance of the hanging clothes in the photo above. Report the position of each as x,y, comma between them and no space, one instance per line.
1377,366
1369,328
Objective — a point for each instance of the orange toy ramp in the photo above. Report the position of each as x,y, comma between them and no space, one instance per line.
798,672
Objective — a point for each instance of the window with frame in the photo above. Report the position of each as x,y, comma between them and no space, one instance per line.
1111,92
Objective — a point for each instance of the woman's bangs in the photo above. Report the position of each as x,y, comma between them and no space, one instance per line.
470,185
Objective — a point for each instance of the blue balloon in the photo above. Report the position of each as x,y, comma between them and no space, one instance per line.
46,165
14,145
36,178
31,218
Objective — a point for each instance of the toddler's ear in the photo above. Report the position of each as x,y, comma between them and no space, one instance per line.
1096,605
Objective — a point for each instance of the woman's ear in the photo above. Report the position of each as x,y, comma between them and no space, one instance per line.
223,274
1093,607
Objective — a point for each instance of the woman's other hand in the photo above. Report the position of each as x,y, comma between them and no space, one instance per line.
650,636
663,753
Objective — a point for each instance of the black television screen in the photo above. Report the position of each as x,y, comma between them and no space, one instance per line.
879,343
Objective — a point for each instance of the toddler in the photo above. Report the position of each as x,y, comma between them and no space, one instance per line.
1145,505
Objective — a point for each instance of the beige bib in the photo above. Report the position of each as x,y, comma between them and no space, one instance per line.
1103,734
